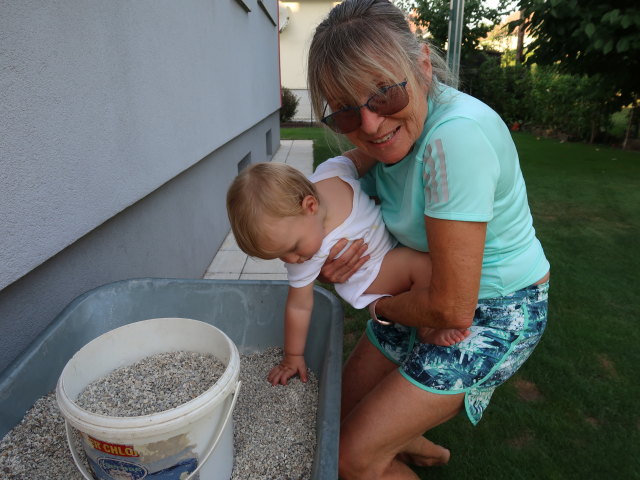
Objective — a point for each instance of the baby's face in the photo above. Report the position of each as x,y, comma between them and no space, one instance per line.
294,239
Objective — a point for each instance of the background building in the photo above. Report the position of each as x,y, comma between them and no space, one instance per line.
121,126
298,21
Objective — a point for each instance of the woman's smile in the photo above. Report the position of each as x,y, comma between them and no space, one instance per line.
390,138
387,137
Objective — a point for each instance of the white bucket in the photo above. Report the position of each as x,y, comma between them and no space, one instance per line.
189,442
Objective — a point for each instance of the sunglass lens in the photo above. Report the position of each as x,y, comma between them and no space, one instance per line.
391,101
387,102
345,121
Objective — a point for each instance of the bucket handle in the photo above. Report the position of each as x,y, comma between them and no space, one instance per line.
74,453
214,444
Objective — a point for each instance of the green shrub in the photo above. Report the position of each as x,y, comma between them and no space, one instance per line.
505,89
577,107
289,105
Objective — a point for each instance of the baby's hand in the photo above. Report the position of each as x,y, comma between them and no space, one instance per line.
288,367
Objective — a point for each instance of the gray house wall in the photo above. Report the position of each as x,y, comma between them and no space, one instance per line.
121,126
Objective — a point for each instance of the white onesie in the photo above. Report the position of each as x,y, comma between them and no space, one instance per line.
364,221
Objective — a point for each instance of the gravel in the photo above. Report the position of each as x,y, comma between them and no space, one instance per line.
152,385
274,426
37,447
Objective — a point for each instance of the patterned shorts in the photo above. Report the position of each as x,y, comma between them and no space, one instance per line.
504,332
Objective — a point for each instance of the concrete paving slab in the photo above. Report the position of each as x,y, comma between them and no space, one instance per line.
230,243
228,261
256,265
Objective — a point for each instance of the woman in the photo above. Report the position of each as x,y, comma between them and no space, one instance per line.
448,178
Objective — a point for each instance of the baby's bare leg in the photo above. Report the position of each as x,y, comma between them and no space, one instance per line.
402,269
405,269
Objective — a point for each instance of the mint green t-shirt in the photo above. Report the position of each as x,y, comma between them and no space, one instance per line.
464,167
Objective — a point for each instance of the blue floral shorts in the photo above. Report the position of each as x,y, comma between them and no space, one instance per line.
504,332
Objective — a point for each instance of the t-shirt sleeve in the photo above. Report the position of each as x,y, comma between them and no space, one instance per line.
460,172
334,167
302,274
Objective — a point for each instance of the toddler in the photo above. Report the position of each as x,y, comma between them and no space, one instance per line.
276,212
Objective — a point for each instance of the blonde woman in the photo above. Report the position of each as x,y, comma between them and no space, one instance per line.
447,174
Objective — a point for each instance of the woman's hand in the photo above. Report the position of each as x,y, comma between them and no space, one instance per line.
339,270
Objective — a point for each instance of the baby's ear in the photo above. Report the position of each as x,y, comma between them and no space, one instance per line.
310,204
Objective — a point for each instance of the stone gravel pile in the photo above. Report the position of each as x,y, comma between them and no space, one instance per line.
152,385
274,426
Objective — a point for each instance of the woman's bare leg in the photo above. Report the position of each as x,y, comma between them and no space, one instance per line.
385,428
363,370
383,416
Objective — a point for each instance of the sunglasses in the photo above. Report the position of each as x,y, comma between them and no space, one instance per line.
387,101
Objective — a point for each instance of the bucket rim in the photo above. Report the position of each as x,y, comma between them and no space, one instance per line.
154,423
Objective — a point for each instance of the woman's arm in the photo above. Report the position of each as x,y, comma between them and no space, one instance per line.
297,317
456,250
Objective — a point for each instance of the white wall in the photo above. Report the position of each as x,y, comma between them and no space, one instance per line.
173,232
304,17
122,124
102,102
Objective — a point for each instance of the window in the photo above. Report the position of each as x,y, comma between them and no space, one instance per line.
269,144
244,5
245,162
270,9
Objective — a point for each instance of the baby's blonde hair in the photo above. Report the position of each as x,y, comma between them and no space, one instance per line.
272,189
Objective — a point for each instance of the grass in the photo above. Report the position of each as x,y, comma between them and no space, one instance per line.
571,412
325,143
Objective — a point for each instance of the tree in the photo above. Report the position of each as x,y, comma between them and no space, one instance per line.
598,38
289,105
433,17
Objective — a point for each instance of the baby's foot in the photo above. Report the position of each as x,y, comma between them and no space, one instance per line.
445,337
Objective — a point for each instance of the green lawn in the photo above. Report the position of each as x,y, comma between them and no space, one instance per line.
572,411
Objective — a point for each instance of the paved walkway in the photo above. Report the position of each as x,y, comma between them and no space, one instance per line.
230,263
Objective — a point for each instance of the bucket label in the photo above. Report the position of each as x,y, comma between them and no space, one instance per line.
170,459
111,469
113,448
122,470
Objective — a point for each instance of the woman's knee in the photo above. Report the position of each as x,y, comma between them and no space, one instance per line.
354,461
348,460
353,465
